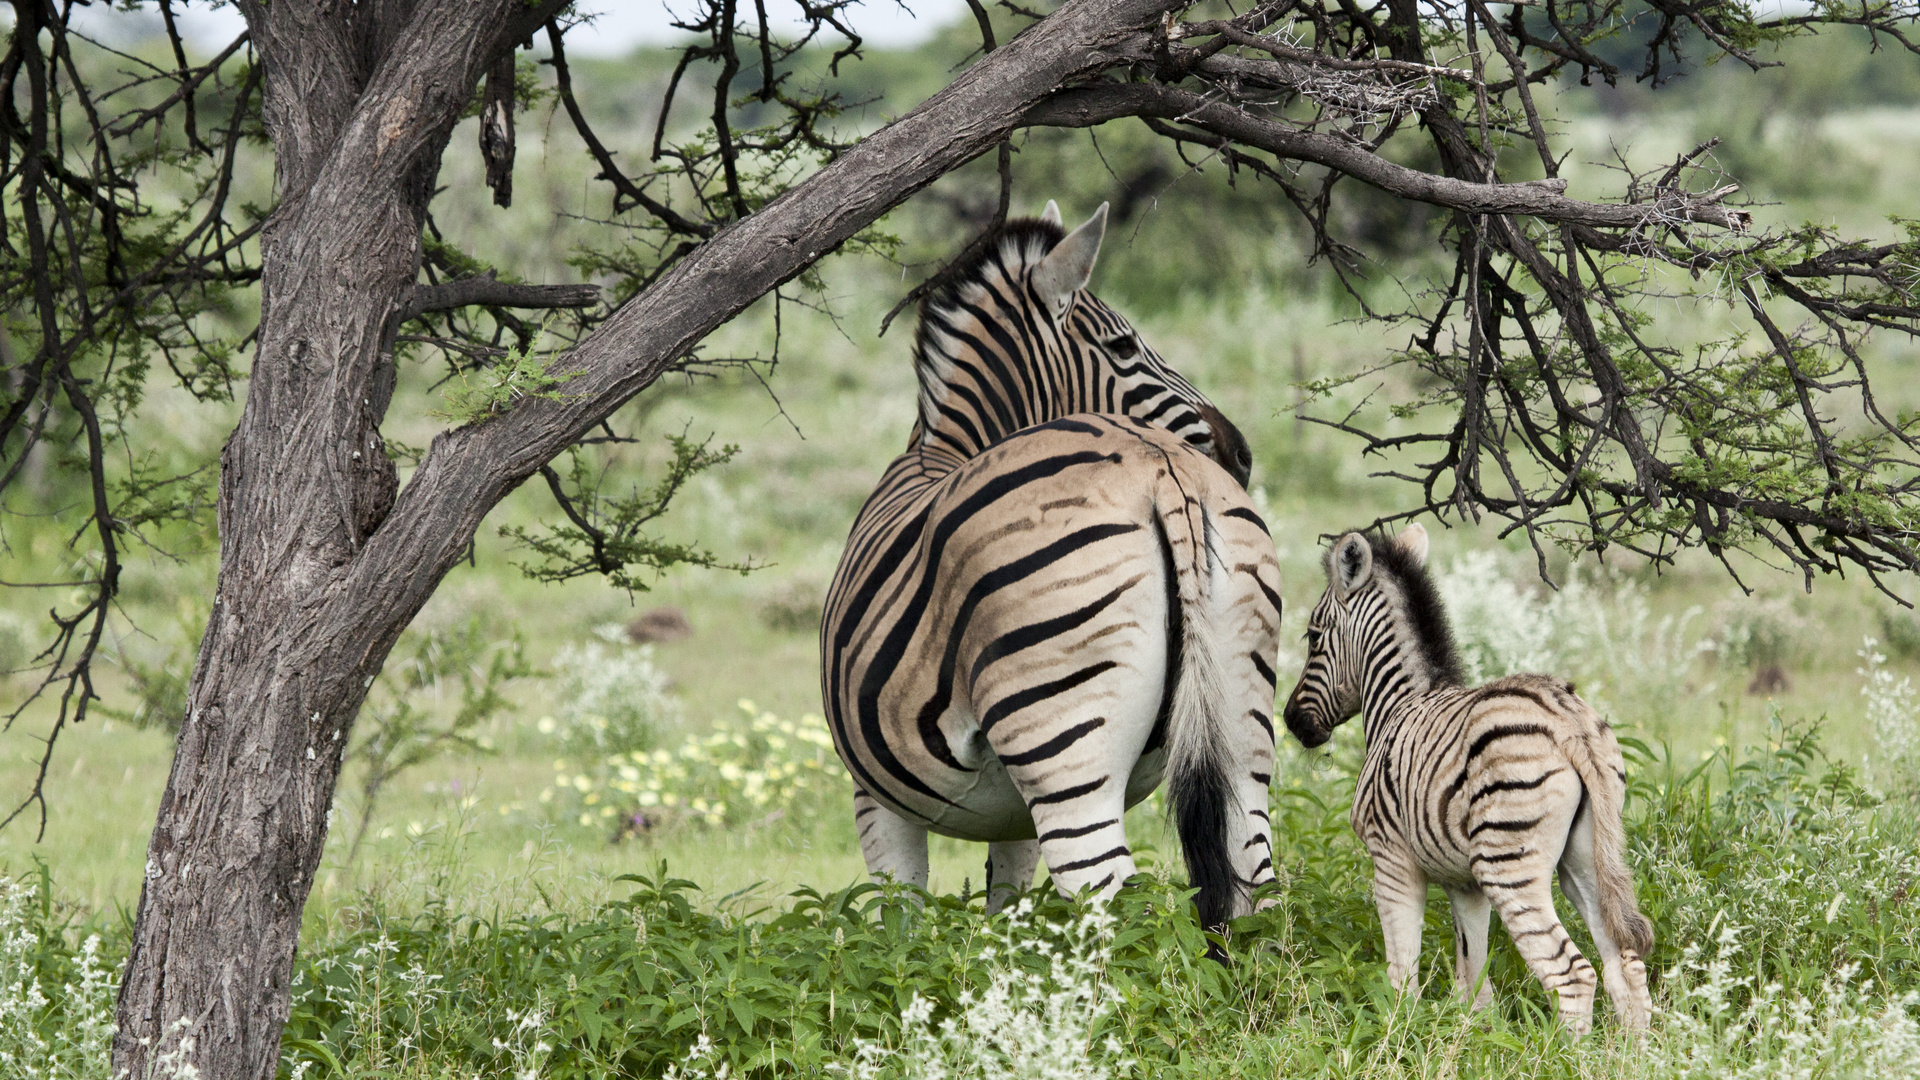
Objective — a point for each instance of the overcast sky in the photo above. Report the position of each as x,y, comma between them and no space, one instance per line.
619,24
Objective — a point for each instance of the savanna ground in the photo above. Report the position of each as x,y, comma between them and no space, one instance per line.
590,857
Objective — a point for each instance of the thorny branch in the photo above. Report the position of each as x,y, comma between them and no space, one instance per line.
1556,406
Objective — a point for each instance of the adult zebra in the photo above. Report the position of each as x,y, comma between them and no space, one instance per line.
1056,594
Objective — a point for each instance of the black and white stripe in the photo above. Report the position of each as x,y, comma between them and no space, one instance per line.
1056,595
1483,791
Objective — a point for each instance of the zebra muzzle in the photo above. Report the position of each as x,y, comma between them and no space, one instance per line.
1305,725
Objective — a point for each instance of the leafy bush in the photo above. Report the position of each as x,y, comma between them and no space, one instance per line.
1842,1029
399,728
795,606
1900,630
1786,900
1759,631
1893,711
653,981
1786,845
613,699
16,650
1501,628
56,996
1783,894
754,770
1602,633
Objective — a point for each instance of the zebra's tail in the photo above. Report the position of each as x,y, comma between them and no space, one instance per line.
1200,793
1596,757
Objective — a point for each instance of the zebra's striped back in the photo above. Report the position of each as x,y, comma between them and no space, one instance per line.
1043,607
1484,791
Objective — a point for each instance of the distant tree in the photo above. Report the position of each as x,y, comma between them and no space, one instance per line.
126,243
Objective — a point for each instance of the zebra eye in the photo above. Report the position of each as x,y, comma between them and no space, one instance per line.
1124,346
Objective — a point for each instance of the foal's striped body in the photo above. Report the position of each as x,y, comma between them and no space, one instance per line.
1484,791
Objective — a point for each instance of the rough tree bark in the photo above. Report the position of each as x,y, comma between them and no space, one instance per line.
360,103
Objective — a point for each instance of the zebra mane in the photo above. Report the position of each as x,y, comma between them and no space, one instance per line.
1428,615
985,266
1019,241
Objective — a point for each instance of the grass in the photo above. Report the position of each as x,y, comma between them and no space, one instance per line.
1783,895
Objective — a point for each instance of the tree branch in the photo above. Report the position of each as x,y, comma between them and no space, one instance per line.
488,292
1092,105
467,471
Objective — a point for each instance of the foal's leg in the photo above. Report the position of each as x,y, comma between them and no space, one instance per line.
1625,973
1530,920
1010,871
893,846
1400,892
1521,836
1471,912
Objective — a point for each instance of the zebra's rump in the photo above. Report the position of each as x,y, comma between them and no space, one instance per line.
1016,614
1472,775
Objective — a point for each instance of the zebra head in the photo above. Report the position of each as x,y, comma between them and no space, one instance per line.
1378,630
1016,339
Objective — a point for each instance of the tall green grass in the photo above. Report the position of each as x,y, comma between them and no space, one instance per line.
1784,896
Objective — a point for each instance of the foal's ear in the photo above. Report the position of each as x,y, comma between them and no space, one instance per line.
1413,541
1051,215
1069,266
1350,565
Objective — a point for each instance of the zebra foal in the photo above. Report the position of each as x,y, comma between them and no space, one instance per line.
1484,791
1057,594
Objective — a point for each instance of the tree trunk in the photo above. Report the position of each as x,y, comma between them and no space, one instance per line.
359,114
321,568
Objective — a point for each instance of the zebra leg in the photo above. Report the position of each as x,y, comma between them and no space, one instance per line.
1624,972
1070,753
893,846
1010,871
1471,912
1526,910
1082,837
1400,892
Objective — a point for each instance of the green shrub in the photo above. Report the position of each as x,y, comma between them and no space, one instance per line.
56,989
614,700
16,649
1760,631
401,726
1783,896
1900,629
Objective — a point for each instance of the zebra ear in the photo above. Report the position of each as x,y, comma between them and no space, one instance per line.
1051,215
1350,566
1413,541
1068,267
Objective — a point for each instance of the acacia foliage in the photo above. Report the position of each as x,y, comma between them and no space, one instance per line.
1559,407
